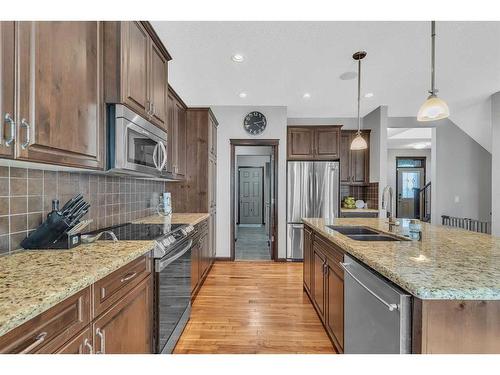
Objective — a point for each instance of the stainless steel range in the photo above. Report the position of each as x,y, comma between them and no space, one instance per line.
172,253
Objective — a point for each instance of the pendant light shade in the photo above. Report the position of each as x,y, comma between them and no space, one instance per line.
359,143
433,108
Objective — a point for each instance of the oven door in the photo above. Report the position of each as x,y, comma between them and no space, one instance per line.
136,146
173,296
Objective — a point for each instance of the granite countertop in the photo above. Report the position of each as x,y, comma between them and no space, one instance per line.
448,263
177,218
33,281
356,210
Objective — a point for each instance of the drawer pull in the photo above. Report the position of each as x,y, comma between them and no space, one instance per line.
87,344
38,341
128,276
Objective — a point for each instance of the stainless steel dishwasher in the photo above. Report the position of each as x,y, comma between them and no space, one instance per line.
377,313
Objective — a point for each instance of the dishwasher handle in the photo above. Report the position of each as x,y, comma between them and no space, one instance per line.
390,306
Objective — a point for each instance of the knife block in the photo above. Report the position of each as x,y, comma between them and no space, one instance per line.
67,241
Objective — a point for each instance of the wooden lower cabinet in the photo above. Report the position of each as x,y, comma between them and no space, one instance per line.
76,326
202,257
127,326
324,284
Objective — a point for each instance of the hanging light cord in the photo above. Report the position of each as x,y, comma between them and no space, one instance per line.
359,94
433,57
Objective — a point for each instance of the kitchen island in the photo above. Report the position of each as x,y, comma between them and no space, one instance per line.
452,274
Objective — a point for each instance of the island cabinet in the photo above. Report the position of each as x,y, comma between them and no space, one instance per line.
325,284
135,69
113,315
202,257
354,164
177,136
59,116
313,142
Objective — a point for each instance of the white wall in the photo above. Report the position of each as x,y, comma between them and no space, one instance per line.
462,175
392,153
495,164
230,120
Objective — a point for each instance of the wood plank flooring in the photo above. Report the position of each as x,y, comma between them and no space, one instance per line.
253,307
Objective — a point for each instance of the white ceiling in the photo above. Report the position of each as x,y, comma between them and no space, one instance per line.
286,59
409,138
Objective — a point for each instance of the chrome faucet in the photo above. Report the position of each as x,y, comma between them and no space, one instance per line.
388,189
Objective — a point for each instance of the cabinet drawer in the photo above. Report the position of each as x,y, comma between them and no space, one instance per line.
109,290
330,250
50,329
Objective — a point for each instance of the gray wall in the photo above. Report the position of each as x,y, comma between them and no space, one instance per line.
462,176
495,158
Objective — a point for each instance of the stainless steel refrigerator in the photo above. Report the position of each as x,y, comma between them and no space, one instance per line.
312,191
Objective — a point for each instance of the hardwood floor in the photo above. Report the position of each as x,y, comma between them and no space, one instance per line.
253,307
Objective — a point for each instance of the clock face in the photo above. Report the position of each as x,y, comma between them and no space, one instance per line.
255,123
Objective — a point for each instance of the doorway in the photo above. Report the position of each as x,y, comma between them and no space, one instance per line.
410,179
253,199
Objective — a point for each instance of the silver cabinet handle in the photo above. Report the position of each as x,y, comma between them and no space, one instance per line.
25,124
38,341
390,306
152,109
8,119
128,276
87,344
102,338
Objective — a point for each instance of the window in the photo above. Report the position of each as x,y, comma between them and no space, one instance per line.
410,180
409,163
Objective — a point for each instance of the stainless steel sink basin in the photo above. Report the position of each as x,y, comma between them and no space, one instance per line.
347,230
372,237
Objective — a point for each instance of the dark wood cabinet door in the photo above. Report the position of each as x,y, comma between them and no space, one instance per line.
318,279
7,88
335,302
60,106
180,159
345,156
80,344
171,132
327,143
136,74
307,258
126,328
360,164
158,86
300,143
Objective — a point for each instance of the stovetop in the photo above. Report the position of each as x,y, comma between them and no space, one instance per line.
144,232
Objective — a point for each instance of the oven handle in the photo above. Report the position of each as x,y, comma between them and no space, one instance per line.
160,266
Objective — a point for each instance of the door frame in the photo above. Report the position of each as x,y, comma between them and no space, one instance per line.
274,143
262,205
423,158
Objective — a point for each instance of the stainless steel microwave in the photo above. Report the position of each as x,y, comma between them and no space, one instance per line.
135,146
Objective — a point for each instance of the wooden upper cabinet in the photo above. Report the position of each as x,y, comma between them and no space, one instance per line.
59,93
313,142
354,165
176,129
135,69
180,164
7,88
300,143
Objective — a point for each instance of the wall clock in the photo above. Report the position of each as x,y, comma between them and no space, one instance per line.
255,123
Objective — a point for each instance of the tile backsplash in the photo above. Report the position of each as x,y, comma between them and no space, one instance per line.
368,193
26,198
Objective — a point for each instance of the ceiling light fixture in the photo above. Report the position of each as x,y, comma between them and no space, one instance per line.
237,58
306,96
433,108
359,143
243,94
369,95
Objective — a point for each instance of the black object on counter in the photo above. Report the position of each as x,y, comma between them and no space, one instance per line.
53,232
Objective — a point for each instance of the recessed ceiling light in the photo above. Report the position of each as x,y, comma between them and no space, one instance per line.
369,95
306,96
243,94
347,76
237,58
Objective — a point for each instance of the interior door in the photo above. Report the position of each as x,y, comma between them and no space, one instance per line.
407,180
60,107
251,197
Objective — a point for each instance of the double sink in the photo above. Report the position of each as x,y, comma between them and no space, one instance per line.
359,233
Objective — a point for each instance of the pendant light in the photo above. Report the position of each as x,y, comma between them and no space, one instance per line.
359,143
433,108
